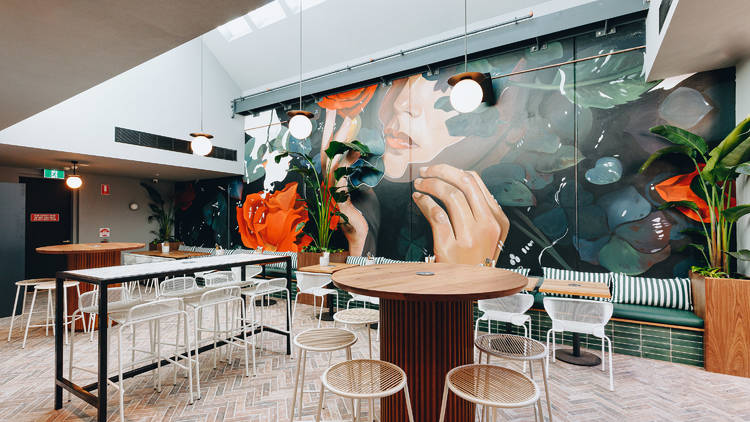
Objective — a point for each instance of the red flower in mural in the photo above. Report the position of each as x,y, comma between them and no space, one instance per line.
349,103
275,221
184,198
677,188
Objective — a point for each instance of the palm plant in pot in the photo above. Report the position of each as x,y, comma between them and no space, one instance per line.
162,212
710,196
348,166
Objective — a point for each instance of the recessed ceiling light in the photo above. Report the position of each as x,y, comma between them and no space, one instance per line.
267,14
234,29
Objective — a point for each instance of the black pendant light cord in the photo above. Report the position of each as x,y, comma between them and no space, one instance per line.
300,54
201,39
466,39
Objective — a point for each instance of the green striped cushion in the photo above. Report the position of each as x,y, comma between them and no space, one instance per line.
282,265
520,270
381,260
356,260
662,292
559,274
186,248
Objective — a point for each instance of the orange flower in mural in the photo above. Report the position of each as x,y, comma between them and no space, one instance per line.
349,103
274,221
677,188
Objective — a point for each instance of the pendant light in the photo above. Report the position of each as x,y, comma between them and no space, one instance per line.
467,93
300,125
201,142
74,181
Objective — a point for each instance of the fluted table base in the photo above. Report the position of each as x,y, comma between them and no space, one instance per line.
426,339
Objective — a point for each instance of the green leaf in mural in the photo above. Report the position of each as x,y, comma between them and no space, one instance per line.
511,193
567,156
335,148
482,122
684,204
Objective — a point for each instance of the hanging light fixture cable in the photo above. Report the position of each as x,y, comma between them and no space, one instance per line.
201,143
300,125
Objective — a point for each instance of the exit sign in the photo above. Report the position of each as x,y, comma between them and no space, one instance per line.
54,174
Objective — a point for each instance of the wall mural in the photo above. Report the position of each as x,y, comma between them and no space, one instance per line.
552,165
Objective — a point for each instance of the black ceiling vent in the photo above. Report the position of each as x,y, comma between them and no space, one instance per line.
134,137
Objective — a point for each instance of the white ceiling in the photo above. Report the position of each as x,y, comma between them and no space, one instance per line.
339,32
701,35
53,50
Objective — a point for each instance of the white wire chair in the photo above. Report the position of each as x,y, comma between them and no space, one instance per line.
229,329
314,284
510,309
118,299
580,316
151,313
260,290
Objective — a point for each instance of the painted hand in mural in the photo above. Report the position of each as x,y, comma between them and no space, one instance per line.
474,227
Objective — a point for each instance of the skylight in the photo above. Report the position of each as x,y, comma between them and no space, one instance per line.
267,14
293,5
234,29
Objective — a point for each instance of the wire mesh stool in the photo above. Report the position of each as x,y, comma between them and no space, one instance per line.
327,339
362,379
358,316
491,386
512,347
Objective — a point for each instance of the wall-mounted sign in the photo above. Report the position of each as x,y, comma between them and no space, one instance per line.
104,232
54,174
44,218
105,189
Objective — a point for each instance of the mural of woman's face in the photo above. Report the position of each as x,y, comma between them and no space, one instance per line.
414,129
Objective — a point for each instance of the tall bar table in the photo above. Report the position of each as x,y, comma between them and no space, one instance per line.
427,325
107,276
88,255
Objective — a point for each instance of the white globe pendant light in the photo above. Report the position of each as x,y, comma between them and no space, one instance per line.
201,143
300,121
467,93
74,181
300,125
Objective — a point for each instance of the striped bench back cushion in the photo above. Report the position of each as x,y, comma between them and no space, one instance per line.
673,293
186,248
380,260
356,260
282,265
559,274
520,270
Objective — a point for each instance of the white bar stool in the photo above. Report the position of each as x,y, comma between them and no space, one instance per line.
49,287
358,316
25,284
318,340
364,379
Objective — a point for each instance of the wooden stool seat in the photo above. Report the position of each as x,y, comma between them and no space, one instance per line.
511,346
34,281
324,339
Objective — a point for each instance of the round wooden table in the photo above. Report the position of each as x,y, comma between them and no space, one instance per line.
427,325
88,255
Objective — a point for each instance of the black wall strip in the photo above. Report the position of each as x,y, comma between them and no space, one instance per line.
134,137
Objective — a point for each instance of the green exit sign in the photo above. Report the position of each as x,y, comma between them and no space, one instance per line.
54,174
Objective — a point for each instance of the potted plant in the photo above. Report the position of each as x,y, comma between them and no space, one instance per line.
326,188
163,213
709,194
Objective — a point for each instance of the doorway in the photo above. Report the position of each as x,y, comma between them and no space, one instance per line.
48,222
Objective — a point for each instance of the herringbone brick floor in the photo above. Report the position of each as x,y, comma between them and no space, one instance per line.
645,390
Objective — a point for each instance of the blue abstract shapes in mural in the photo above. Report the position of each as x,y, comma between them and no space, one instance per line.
684,107
588,250
482,123
235,189
553,223
649,235
566,194
559,113
301,146
592,222
534,179
511,193
372,139
539,137
623,206
565,157
606,170
367,172
504,171
215,215
618,256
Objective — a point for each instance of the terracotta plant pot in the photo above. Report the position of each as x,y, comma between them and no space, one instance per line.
698,286
306,259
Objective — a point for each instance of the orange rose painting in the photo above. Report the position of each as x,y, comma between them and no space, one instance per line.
349,103
274,221
678,188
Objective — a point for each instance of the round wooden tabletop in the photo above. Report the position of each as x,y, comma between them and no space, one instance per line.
82,248
429,282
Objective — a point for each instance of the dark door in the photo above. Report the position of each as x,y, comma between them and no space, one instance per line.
12,249
48,222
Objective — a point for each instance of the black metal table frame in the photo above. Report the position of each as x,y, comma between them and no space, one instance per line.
99,400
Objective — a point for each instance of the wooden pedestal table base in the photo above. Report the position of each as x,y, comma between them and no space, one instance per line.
82,256
427,327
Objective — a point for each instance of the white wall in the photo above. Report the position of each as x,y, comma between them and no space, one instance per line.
161,96
743,185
